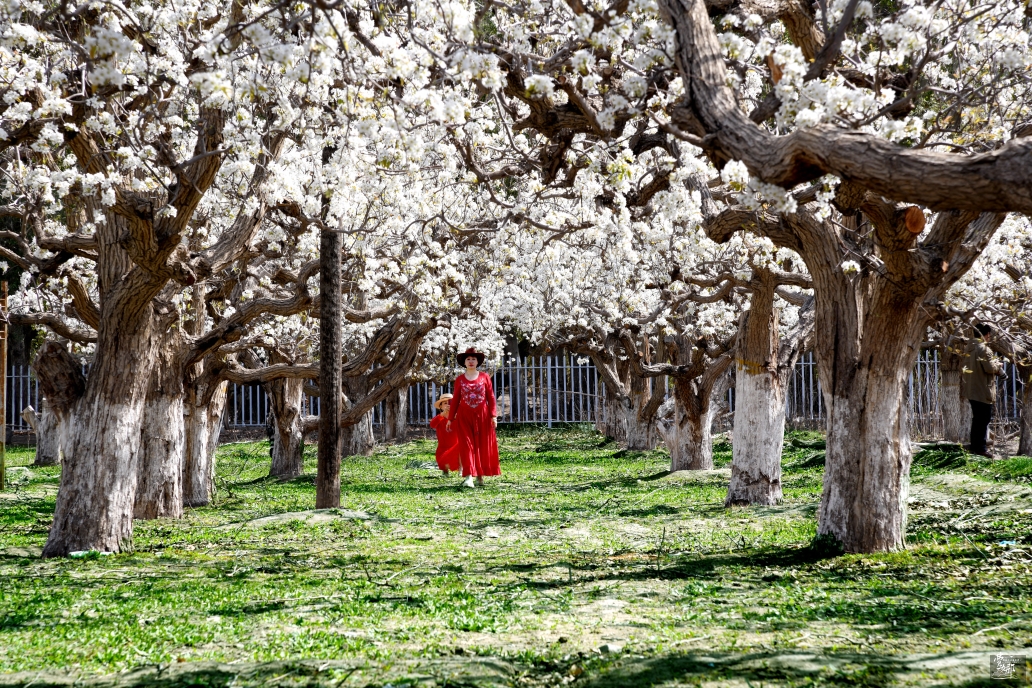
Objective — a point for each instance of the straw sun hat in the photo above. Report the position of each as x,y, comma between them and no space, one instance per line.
440,402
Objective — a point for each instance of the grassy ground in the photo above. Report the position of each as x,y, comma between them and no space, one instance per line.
582,565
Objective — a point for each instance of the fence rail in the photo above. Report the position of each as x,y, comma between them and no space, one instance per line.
562,389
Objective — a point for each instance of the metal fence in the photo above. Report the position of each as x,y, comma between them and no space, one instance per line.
22,391
543,390
563,389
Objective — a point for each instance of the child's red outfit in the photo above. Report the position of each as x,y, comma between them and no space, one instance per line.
471,413
447,444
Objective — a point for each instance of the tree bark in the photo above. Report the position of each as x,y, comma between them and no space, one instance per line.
98,479
159,490
692,448
1025,433
331,350
956,412
286,397
205,410
763,366
640,414
358,439
396,421
48,429
612,422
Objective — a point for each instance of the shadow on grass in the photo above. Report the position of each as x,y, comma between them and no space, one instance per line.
472,672
968,669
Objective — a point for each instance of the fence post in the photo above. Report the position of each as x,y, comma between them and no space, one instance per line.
548,388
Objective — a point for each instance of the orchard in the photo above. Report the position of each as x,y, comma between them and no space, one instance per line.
655,213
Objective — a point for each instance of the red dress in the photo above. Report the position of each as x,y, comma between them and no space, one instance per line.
471,412
447,444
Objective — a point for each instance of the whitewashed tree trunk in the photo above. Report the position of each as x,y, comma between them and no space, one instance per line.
696,371
97,492
692,437
867,465
286,397
203,427
763,367
159,491
759,435
48,429
867,470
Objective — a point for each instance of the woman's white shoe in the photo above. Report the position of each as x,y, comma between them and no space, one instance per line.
468,482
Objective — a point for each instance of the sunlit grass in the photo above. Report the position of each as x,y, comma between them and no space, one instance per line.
577,545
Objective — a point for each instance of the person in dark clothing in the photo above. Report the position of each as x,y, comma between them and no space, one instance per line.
979,385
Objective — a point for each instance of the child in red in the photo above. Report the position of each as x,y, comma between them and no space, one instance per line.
447,441
473,417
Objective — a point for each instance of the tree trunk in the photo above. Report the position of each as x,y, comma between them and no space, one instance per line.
612,422
288,432
1025,436
956,412
159,490
396,421
331,349
203,425
358,439
48,429
692,433
867,469
97,492
759,436
640,416
760,382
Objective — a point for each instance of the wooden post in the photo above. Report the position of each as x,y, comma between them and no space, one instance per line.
3,386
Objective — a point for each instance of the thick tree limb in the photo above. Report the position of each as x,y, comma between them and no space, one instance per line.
997,181
56,325
279,371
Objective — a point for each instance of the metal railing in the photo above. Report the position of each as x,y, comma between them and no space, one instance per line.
563,389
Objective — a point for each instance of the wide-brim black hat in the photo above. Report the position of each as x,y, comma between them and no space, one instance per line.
471,351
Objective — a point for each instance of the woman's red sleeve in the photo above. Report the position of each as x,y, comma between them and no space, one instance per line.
436,421
492,405
456,398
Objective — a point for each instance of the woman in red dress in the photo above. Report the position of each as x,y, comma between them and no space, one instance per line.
473,417
447,453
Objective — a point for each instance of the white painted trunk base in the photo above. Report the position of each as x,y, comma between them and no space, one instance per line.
358,438
203,426
867,470
98,478
159,490
759,428
48,438
691,441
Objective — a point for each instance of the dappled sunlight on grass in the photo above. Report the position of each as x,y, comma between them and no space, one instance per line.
575,547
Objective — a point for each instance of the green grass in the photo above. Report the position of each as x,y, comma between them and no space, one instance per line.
577,546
